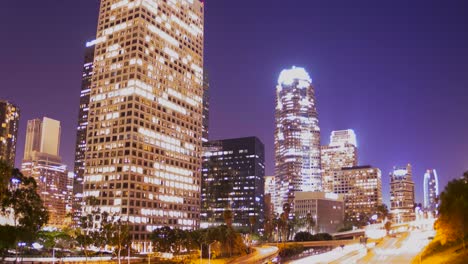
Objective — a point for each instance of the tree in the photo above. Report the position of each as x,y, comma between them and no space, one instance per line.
228,216
119,236
453,212
252,221
310,222
20,201
388,227
382,212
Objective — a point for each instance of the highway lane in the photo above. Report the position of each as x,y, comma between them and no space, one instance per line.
400,249
261,255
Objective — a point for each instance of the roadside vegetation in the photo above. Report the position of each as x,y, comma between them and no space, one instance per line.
449,244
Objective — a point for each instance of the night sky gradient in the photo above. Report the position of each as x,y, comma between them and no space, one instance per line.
394,71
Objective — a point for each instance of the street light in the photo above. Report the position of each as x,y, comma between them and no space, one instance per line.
209,251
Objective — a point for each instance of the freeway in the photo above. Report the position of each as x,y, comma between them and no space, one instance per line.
400,249
326,243
261,255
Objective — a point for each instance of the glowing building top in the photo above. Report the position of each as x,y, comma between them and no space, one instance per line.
288,76
297,137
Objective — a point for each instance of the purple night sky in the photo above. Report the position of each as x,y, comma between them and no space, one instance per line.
394,71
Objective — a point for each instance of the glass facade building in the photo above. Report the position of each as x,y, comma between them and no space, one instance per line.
80,144
297,137
431,190
144,135
233,179
9,122
402,194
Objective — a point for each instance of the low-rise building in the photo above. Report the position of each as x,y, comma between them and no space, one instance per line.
326,210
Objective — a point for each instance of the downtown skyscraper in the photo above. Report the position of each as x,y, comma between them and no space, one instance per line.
144,136
42,161
341,153
402,194
431,190
297,137
9,122
81,129
233,179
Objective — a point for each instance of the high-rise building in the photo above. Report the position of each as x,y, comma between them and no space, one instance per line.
206,108
362,190
42,135
325,209
402,194
342,137
9,122
43,163
297,137
143,154
80,144
269,197
431,190
233,179
341,153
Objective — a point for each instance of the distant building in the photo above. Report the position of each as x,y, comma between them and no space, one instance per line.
431,190
342,152
233,179
270,189
362,190
402,194
80,144
297,137
43,163
9,122
326,209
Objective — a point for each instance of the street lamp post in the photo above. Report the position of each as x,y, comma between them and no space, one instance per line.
209,251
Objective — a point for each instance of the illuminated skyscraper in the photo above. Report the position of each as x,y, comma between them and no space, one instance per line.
9,122
402,194
80,144
43,163
341,153
206,108
297,136
362,190
144,136
431,190
233,178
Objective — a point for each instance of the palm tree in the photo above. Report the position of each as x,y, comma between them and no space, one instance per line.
228,216
252,221
309,222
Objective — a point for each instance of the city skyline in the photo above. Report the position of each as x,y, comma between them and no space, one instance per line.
411,148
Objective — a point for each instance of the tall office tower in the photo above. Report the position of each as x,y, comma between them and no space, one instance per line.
297,137
362,190
341,153
402,194
43,163
143,157
80,144
233,178
431,190
9,122
206,108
